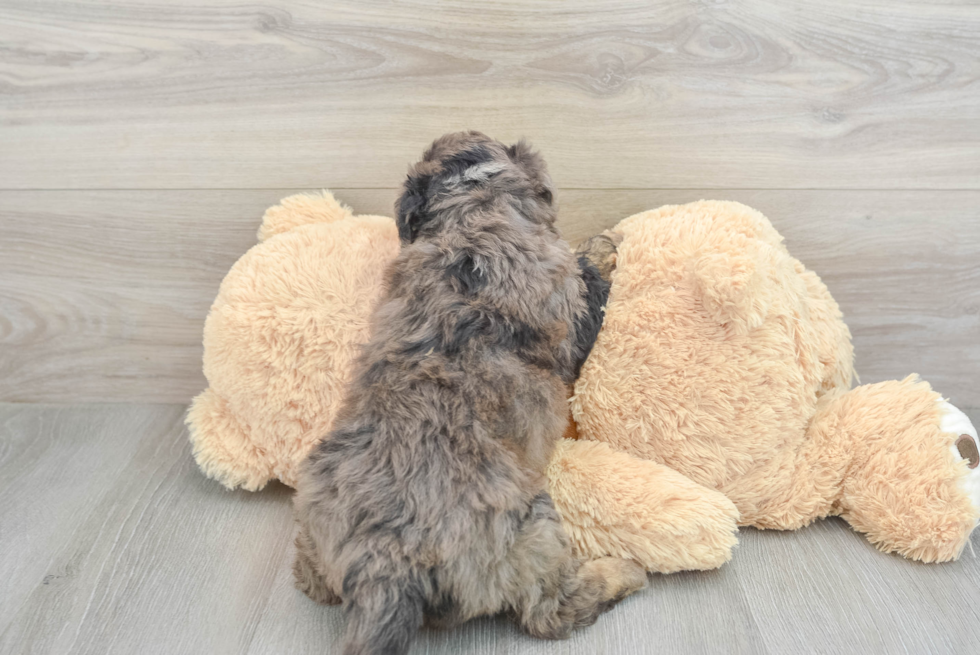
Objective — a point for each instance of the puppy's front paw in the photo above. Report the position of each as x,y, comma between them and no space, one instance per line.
600,250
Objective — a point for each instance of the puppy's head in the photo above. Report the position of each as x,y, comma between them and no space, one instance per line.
470,168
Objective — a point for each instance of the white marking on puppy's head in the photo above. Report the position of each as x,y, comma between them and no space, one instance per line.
475,173
483,171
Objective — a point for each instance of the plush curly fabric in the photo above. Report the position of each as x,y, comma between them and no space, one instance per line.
613,504
281,336
724,359
717,392
714,351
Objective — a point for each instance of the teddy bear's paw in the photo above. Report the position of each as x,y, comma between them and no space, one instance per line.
965,446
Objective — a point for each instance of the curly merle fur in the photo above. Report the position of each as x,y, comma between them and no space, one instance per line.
427,501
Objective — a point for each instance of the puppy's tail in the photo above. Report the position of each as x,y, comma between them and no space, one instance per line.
384,611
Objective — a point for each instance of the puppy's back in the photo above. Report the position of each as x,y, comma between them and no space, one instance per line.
433,477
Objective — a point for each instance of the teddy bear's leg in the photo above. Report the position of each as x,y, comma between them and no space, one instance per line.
912,486
222,448
614,504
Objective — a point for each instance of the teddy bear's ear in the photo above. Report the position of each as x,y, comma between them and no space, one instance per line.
301,209
411,210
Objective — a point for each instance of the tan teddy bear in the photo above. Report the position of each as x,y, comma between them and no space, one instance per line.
716,394
724,360
281,337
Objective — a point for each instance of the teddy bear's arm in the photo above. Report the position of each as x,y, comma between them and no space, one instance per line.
614,504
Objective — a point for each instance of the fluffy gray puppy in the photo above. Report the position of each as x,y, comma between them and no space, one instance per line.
427,501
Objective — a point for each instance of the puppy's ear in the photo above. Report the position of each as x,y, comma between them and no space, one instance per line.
522,154
411,212
533,164
546,194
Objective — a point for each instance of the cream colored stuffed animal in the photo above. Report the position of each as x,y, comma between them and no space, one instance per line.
717,393
727,364
282,335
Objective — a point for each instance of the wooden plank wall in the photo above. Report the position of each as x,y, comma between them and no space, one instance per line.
141,141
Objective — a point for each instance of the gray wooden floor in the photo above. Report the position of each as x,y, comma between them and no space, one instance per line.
141,140
112,542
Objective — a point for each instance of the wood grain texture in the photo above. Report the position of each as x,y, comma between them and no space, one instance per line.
112,542
125,547
103,294
673,94
140,142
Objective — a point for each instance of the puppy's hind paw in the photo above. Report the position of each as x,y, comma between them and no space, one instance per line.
308,580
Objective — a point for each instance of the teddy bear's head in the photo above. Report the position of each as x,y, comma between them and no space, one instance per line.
282,335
